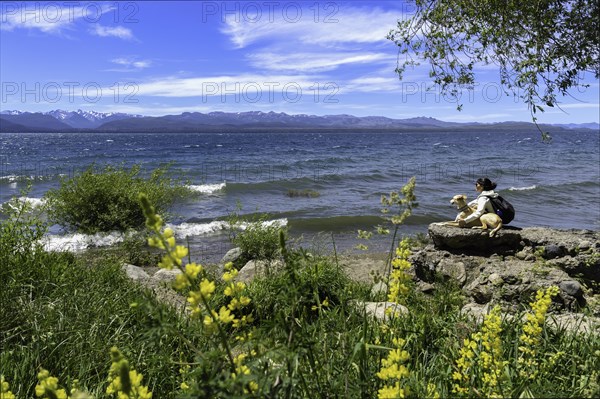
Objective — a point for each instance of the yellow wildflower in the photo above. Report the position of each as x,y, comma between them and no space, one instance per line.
225,315
47,386
192,270
399,278
393,369
480,363
181,282
123,382
171,242
207,287
5,392
532,330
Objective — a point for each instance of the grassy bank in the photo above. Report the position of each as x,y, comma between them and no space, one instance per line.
307,338
299,331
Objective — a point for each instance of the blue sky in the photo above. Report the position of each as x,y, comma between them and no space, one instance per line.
168,57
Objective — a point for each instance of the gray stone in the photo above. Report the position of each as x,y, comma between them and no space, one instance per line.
379,310
495,279
584,245
232,255
425,288
453,269
482,294
135,272
475,311
522,254
571,287
510,279
379,289
473,240
553,251
166,276
257,268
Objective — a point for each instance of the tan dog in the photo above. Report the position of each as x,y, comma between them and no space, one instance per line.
484,222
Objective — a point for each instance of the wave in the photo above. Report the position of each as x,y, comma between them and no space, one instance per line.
26,178
78,242
32,202
207,188
189,229
523,188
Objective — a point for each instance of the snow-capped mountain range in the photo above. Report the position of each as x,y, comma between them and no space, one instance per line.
78,119
59,120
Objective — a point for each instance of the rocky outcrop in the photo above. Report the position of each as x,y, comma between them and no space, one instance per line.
512,266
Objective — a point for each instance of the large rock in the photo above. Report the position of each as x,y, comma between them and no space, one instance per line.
257,268
512,266
135,272
474,240
232,255
577,252
166,276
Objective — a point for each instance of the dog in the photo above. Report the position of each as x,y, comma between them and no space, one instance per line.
486,220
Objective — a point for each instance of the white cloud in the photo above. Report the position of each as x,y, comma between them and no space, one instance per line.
245,84
316,62
347,25
579,105
131,63
112,31
48,17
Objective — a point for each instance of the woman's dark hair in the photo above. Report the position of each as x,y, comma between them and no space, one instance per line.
486,183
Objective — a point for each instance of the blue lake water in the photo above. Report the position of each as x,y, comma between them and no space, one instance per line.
556,184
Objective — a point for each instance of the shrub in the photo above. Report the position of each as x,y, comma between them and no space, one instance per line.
107,199
257,237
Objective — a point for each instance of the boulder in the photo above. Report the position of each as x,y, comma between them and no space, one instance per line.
474,240
381,310
257,268
166,276
514,265
379,290
577,252
232,255
135,272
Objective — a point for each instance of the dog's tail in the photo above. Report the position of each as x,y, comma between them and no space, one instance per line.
493,232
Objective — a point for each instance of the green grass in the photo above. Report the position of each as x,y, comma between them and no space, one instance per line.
309,338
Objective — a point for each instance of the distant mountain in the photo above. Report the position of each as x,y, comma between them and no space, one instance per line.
592,125
66,121
8,126
72,119
34,121
87,119
189,121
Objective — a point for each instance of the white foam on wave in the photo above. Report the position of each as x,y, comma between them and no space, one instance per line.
78,242
268,223
523,188
188,229
32,202
9,178
197,229
207,188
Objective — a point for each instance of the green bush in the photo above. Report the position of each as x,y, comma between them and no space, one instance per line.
106,199
256,236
